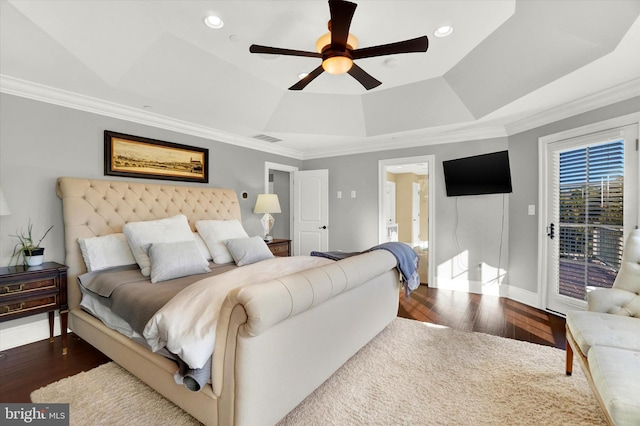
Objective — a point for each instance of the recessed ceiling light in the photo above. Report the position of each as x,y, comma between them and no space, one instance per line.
443,31
213,21
391,62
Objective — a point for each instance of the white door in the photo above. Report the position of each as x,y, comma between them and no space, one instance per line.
592,188
310,211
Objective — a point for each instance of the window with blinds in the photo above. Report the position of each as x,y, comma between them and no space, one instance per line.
590,231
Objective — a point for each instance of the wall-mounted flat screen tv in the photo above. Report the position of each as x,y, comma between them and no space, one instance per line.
480,174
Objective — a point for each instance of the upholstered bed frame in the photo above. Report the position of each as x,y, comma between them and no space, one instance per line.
275,342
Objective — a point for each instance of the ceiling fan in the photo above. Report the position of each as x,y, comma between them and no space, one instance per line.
338,49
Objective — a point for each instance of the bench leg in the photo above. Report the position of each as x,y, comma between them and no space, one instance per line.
569,365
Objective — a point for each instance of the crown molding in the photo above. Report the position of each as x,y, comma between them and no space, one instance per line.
414,141
597,100
26,89
43,93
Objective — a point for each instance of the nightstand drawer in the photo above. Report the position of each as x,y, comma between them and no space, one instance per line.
281,250
27,287
28,306
280,247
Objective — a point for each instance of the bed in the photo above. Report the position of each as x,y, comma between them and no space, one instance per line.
275,341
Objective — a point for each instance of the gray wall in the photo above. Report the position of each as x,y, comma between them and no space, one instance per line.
40,142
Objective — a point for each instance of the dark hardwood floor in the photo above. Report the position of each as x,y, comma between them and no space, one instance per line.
30,367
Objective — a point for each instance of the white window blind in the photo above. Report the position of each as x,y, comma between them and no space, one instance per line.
590,231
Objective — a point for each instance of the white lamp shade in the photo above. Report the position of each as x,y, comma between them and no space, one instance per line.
4,206
267,203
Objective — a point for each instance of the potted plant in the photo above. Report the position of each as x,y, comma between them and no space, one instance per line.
27,249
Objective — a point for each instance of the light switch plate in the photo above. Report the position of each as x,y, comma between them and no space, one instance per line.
532,209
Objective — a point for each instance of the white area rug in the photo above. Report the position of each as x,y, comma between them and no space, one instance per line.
411,374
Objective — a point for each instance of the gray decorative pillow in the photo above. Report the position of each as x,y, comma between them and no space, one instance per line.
174,260
168,230
248,250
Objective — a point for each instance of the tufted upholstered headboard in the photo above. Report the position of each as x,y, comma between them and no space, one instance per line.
93,208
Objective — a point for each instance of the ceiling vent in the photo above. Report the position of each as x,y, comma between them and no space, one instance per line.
267,138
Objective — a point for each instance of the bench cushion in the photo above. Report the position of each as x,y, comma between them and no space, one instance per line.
613,371
595,328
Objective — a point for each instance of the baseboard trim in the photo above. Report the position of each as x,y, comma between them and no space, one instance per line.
27,330
520,295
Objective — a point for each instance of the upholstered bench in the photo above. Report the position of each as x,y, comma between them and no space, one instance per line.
606,340
590,329
616,375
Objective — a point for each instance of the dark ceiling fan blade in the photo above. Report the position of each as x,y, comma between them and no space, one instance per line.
302,83
364,77
420,44
341,15
256,48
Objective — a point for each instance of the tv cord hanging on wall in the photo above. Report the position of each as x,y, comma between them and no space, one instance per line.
457,244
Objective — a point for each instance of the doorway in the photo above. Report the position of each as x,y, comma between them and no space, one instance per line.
591,205
278,179
406,207
304,201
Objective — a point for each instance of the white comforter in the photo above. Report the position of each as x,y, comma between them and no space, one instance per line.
186,325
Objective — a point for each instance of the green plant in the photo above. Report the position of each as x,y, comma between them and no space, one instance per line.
26,243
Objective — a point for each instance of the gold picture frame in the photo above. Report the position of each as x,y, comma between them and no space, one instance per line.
138,157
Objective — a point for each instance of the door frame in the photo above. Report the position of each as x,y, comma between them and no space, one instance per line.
283,168
431,188
543,184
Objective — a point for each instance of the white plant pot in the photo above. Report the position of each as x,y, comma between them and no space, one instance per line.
34,260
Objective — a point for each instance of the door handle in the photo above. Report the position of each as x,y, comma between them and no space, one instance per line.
322,227
551,231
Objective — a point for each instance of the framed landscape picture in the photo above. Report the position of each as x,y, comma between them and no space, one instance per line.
137,157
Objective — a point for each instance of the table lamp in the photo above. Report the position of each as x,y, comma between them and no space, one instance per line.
267,204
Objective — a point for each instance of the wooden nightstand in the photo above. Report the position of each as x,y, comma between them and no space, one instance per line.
30,290
280,248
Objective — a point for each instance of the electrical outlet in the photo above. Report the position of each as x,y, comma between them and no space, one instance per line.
339,194
353,194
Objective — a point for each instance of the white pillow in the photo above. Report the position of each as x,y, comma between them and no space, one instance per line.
175,260
216,232
141,234
106,252
248,250
203,246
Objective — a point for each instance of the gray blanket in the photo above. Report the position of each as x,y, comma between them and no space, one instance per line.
132,296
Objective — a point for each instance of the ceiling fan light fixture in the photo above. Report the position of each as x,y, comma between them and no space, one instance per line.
213,21
325,41
337,64
443,31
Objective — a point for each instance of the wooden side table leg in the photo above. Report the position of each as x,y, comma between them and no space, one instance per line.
51,313
64,314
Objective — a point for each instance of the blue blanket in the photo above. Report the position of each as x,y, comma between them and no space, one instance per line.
405,256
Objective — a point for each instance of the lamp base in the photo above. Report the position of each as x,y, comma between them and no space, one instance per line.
267,223
268,238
